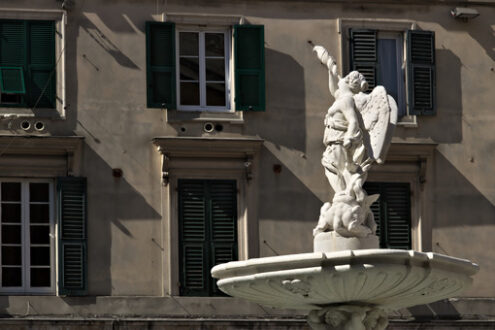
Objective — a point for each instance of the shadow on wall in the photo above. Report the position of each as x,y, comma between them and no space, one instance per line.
456,198
284,199
446,125
480,29
106,44
110,200
284,122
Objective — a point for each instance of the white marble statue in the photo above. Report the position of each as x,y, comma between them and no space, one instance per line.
358,130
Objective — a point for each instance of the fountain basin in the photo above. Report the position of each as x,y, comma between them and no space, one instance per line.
384,278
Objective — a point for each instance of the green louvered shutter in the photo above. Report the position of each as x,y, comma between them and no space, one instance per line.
208,232
193,238
392,212
373,188
13,55
12,80
364,54
249,61
41,64
421,72
223,210
72,205
160,65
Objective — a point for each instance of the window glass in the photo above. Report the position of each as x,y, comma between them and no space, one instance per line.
202,70
390,73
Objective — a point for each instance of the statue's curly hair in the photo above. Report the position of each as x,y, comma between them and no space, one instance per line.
356,82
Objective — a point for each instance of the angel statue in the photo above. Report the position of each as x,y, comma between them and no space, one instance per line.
358,130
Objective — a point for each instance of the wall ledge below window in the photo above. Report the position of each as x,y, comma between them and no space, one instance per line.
178,116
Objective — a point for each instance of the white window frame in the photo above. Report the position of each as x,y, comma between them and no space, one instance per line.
202,69
26,273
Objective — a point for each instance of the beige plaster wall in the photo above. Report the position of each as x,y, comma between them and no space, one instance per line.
106,97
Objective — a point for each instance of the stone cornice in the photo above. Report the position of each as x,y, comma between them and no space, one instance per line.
39,145
198,147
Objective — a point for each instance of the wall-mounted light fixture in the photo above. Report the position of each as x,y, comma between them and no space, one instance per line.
464,13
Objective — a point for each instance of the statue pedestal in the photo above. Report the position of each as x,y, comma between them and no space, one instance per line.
332,242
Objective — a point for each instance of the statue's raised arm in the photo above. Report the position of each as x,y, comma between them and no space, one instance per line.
326,59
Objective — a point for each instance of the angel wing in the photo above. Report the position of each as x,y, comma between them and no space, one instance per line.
379,114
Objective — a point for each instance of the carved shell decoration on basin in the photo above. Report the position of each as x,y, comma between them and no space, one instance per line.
385,278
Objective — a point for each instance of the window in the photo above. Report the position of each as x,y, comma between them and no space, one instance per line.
27,235
203,70
27,247
27,63
392,213
379,56
208,232
190,67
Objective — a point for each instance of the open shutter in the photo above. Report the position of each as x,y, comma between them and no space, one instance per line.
192,229
41,64
160,65
392,213
12,80
249,59
364,55
72,206
223,211
421,72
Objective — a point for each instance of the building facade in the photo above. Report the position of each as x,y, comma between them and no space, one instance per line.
143,142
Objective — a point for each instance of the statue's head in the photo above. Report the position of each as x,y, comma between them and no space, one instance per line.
356,82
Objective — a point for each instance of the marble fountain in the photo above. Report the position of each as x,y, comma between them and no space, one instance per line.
348,282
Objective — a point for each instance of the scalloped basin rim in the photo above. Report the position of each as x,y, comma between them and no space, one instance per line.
374,277
352,257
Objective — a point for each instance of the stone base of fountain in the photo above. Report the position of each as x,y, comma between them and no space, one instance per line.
349,289
332,242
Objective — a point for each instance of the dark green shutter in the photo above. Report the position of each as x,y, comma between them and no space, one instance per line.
13,50
12,80
42,64
12,43
30,46
421,72
392,212
223,212
249,59
192,230
208,232
364,54
72,206
160,65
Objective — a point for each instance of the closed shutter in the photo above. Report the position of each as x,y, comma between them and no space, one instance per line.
29,46
223,223
13,56
208,232
364,54
249,59
72,205
421,72
41,64
193,245
160,65
392,213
